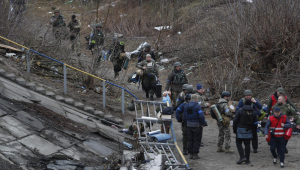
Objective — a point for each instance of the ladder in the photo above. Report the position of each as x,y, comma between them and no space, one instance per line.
154,125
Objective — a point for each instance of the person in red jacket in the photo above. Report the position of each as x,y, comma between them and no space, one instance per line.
277,125
273,100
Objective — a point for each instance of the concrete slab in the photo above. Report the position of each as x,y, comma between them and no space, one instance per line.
4,158
48,103
89,109
120,121
15,88
30,85
69,101
40,89
9,106
79,105
74,153
5,136
15,127
73,134
76,112
16,152
80,120
59,98
108,116
60,167
50,94
99,114
40,144
59,138
97,148
2,113
21,81
10,76
13,95
2,72
29,120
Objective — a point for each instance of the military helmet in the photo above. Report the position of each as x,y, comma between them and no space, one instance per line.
131,107
189,89
225,94
247,92
139,72
187,97
184,86
177,64
148,55
147,46
98,25
56,11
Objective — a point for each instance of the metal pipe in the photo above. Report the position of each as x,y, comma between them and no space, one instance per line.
123,102
103,84
65,79
28,63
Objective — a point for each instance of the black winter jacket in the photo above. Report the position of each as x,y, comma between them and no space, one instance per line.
243,120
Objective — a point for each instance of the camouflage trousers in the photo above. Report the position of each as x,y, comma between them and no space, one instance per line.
224,132
75,43
174,95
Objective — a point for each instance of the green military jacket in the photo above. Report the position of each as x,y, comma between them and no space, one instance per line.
224,108
74,26
289,111
147,78
176,80
58,21
201,100
97,37
115,50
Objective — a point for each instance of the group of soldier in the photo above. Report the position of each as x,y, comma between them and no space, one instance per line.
190,108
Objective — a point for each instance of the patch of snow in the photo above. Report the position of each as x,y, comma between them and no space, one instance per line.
179,32
50,12
249,1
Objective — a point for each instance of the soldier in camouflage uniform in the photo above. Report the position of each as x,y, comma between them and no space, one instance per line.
59,25
224,131
149,75
204,105
147,50
288,110
175,81
117,57
74,26
181,96
96,41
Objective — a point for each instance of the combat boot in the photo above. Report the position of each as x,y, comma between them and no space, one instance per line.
196,156
228,150
220,149
191,155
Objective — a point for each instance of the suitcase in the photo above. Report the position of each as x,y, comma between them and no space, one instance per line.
158,89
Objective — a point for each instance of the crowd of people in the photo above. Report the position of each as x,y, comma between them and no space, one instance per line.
191,110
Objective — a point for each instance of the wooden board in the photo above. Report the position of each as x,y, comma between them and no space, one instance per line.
10,48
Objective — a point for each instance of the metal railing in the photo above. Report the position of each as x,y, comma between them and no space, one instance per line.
65,74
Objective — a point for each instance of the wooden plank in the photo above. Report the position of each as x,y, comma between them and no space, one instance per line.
10,48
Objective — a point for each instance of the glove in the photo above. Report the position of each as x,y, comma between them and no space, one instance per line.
179,120
90,47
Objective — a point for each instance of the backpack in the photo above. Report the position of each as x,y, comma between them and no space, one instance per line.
167,111
212,114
